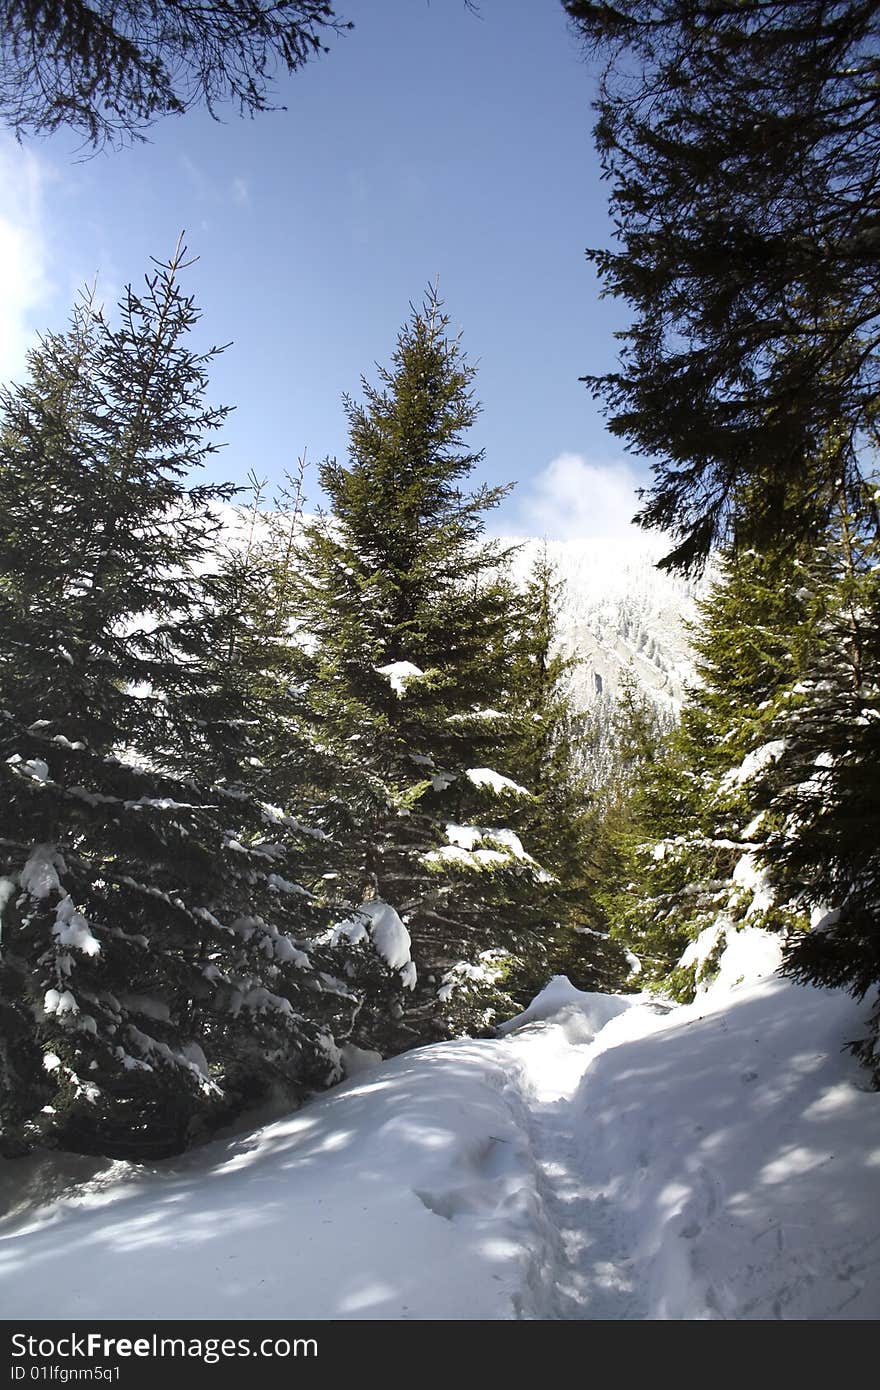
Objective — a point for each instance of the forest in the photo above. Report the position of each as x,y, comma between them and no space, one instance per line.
290,780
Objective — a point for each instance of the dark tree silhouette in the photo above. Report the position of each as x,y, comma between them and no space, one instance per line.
110,69
742,143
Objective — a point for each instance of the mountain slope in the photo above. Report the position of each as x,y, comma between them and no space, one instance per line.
620,613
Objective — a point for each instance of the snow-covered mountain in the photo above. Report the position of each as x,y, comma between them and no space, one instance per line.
620,613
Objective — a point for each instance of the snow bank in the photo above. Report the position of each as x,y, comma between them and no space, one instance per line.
410,1192
583,1014
607,1157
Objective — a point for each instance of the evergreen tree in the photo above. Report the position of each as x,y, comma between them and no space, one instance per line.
561,821
688,847
742,145
153,971
110,71
821,794
251,653
254,701
413,625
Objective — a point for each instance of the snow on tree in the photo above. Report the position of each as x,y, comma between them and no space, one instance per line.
159,960
686,855
819,794
412,621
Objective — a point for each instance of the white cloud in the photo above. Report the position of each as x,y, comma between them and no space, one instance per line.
24,257
576,498
199,181
241,193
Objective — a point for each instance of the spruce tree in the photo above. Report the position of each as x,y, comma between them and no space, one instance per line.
820,796
254,703
741,143
689,846
561,821
412,622
110,71
153,970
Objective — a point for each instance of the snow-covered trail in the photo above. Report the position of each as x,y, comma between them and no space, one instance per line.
607,1158
551,1049
593,1276
715,1161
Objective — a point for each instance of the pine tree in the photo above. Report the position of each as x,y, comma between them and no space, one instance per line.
820,796
561,821
412,621
153,971
742,148
689,846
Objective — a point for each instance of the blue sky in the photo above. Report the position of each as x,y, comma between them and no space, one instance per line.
428,143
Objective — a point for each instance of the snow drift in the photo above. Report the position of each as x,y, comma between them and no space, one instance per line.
607,1157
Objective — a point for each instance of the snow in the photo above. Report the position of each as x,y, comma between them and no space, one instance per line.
358,1060
823,917
755,880
72,929
35,768
476,713
488,969
469,859
39,877
409,975
560,1000
193,1053
399,674
60,1002
390,937
603,1158
468,837
7,891
284,885
380,922
748,955
753,764
148,1006
485,777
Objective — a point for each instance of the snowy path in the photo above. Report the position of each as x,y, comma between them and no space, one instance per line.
594,1275
605,1159
715,1161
